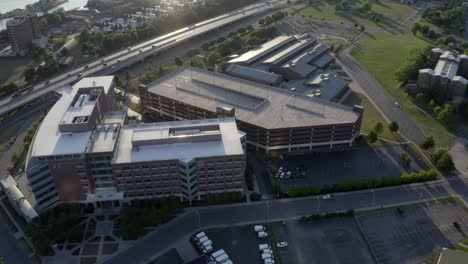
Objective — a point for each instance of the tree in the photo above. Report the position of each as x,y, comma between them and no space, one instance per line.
432,103
14,157
442,159
129,76
428,143
446,114
213,59
178,61
378,128
30,75
372,137
437,110
416,27
405,159
420,97
363,28
393,126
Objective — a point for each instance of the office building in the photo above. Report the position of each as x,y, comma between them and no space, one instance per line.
85,152
21,31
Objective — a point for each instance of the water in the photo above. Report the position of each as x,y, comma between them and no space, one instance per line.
8,5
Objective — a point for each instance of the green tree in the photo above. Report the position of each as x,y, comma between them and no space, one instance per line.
213,59
442,159
393,126
30,75
372,137
428,142
378,128
178,61
446,114
416,28
14,157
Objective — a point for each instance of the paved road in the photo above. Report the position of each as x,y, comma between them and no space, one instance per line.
381,99
226,215
124,58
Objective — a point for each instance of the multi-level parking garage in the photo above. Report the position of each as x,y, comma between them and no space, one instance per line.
124,58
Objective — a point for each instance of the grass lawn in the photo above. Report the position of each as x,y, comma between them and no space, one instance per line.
11,69
371,116
7,220
393,50
110,248
90,249
391,13
461,248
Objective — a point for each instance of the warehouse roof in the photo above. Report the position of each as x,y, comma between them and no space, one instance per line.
286,54
258,104
253,74
263,50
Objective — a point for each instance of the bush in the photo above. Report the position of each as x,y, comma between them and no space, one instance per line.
359,184
393,126
372,137
255,197
442,159
428,143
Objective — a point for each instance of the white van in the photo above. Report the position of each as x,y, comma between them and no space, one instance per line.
267,256
200,235
268,261
221,259
207,243
203,239
263,246
218,253
262,234
258,228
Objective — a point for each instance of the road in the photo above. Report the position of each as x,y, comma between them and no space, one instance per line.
124,58
381,99
195,219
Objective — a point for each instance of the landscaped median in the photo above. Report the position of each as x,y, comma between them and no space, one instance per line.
360,184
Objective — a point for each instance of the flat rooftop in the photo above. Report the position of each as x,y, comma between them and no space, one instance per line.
263,50
49,140
253,74
180,140
254,103
447,66
282,56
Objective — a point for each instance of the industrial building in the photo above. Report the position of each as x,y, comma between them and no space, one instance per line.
451,69
290,62
85,152
274,119
21,31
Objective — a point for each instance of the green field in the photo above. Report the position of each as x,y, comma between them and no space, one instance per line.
371,116
392,14
382,56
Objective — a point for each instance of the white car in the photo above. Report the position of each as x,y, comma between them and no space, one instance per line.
262,234
328,196
397,104
288,175
282,175
280,169
267,251
282,244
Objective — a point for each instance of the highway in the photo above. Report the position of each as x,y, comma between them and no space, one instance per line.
124,58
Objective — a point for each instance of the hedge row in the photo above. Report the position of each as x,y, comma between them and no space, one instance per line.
360,184
316,217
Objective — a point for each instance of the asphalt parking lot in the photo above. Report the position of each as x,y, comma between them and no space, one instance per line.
240,243
336,240
414,236
336,167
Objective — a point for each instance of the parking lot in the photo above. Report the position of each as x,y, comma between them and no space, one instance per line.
336,167
240,243
415,235
334,240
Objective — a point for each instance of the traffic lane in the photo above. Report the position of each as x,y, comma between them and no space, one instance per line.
10,250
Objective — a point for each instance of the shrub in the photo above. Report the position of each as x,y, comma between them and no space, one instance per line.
359,184
428,142
442,159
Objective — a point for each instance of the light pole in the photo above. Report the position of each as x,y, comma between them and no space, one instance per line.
373,197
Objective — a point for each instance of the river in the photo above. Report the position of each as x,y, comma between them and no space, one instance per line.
8,5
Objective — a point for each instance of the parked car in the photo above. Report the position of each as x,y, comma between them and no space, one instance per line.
259,228
288,175
282,244
282,175
269,261
261,247
47,82
328,196
397,104
262,234
267,251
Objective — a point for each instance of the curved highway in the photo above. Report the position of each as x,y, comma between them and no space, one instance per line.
124,58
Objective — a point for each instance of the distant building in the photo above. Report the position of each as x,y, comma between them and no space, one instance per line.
451,70
85,152
21,31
